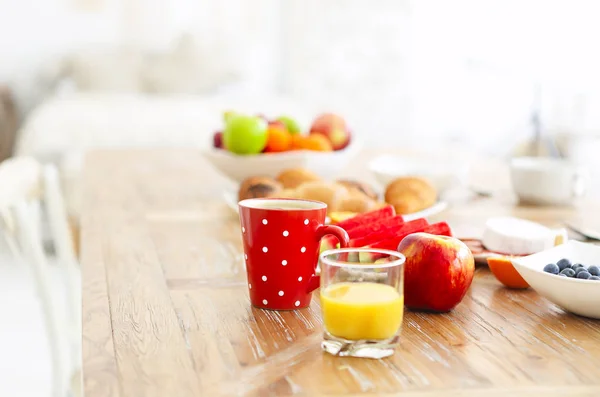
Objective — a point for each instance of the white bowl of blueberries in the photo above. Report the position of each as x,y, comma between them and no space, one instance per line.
568,275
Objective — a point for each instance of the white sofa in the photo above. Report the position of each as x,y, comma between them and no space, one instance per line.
63,128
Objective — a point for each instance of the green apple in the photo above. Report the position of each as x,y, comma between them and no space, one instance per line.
292,126
228,115
245,134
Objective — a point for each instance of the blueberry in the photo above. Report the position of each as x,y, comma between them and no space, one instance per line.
594,278
577,265
584,275
564,264
551,268
581,269
568,272
594,270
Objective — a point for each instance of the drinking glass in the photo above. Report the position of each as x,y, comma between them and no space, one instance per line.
362,301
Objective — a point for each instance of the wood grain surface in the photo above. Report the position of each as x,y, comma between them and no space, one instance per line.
166,310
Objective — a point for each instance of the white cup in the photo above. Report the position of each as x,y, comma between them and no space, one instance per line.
547,181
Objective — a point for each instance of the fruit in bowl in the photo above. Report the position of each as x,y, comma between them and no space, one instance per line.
251,145
333,127
292,126
278,138
565,268
245,134
317,143
578,295
218,140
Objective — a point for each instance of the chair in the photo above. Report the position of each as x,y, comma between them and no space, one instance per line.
27,187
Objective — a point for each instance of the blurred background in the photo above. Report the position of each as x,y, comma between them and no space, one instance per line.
485,75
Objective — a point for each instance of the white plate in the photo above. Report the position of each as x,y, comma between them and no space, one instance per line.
232,202
572,294
443,174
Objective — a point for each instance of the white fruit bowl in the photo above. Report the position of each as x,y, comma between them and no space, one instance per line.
327,165
577,296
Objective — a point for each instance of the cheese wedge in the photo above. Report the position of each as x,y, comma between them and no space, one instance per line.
515,236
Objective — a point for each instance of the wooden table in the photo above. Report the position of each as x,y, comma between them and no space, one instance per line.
166,310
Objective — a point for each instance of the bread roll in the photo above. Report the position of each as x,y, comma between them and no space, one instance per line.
258,187
410,194
286,193
294,177
355,186
328,193
356,204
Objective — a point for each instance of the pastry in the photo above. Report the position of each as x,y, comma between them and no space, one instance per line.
328,193
286,193
359,187
410,194
259,187
356,203
294,177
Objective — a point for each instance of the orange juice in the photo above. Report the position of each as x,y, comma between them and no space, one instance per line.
357,311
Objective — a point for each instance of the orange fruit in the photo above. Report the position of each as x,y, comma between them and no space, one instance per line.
317,142
297,142
278,139
505,272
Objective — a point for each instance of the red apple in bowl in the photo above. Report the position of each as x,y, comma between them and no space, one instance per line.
334,128
218,140
437,273
278,124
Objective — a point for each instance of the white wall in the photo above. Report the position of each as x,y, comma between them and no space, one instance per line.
402,71
35,35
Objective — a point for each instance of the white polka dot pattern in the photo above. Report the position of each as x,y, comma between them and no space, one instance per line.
249,286
303,249
300,278
297,303
306,221
243,229
284,262
265,250
265,221
264,278
280,293
286,233
265,301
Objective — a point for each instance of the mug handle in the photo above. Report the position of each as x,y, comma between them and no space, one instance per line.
322,231
580,181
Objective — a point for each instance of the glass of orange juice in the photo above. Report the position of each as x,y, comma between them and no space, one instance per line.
362,301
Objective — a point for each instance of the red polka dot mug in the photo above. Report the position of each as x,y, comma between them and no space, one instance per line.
281,247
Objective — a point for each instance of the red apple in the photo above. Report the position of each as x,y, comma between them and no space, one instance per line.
437,273
218,140
334,128
278,124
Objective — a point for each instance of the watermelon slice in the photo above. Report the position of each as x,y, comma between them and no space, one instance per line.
367,217
328,242
391,232
375,227
440,229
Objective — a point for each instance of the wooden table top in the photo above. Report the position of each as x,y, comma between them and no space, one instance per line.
166,309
